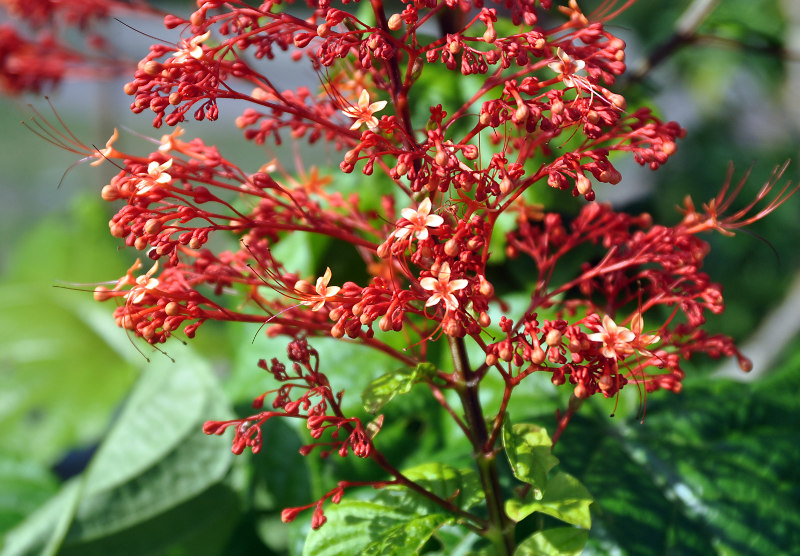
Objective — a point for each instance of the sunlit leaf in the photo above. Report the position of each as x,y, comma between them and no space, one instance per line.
384,388
558,541
528,449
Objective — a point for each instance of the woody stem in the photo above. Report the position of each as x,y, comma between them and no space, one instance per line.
500,530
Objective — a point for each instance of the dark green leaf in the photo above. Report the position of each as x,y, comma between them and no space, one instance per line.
714,469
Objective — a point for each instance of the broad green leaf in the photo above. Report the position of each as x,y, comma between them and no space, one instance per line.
199,526
45,526
150,475
24,486
558,541
408,537
395,520
384,388
455,540
384,526
61,375
528,449
564,498
713,470
460,486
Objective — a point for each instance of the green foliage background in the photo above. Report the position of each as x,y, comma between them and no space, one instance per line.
712,470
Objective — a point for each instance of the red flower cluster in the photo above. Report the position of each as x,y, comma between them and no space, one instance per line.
541,114
429,265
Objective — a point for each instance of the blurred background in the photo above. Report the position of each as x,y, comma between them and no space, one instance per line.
713,470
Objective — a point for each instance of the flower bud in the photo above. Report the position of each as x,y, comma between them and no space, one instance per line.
395,22
617,100
102,293
109,193
744,363
485,287
537,357
470,152
553,337
453,328
583,184
152,67
605,383
289,514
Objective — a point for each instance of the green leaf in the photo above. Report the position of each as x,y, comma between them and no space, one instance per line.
460,486
564,498
280,474
558,541
59,375
396,520
62,374
382,526
24,486
713,470
408,537
154,473
528,449
384,388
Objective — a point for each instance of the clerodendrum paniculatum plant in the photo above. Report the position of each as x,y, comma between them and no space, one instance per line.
617,300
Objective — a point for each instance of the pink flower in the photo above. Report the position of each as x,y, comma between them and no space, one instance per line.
190,48
156,175
324,293
642,340
566,67
108,152
443,288
619,342
418,221
170,142
616,340
364,111
144,284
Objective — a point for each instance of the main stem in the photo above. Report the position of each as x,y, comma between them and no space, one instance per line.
500,531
